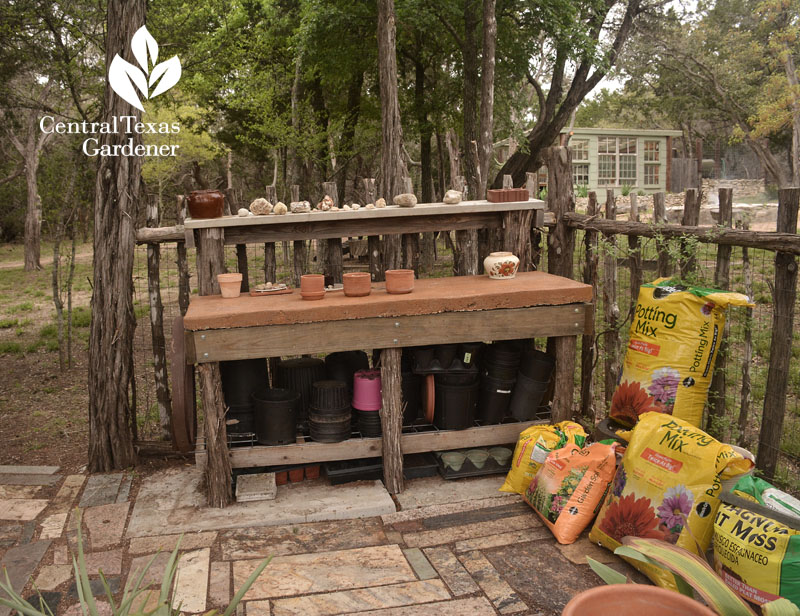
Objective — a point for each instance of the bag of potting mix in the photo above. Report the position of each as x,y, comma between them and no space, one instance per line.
569,487
674,337
666,487
756,555
532,448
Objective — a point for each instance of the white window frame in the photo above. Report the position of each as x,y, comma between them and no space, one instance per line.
652,165
617,156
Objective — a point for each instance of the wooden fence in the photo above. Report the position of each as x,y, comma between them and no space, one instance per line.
588,239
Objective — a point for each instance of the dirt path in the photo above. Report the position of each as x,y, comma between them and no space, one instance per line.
80,257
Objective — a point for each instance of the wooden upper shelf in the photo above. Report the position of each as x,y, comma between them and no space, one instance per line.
430,296
390,211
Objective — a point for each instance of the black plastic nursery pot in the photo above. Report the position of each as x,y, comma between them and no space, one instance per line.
330,414
276,416
342,365
241,419
527,396
299,375
411,391
369,423
537,365
241,378
445,353
455,405
494,400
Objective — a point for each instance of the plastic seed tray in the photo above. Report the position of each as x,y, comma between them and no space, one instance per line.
468,469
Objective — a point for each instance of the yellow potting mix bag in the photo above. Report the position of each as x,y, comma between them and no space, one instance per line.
532,448
674,337
666,487
569,487
756,555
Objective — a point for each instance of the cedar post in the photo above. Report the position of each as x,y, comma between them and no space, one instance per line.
270,265
587,340
536,235
299,249
660,218
717,393
610,305
635,257
561,243
210,262
691,218
465,257
183,263
373,241
410,240
391,420
784,293
333,263
747,352
157,325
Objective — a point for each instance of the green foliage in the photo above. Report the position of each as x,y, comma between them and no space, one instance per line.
582,191
8,323
10,347
626,190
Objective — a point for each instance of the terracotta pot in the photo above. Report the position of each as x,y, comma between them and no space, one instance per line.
312,286
357,284
501,265
633,600
206,203
506,195
230,285
399,281
312,472
296,474
281,478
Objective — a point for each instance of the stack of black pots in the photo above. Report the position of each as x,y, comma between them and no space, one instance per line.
276,416
456,398
330,413
501,362
533,380
299,375
240,380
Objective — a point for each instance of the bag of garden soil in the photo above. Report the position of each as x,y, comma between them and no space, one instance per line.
533,446
755,554
666,487
674,338
569,487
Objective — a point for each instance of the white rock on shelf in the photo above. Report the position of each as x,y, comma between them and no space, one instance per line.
243,211
326,203
260,207
280,208
405,200
453,196
298,207
380,203
369,206
356,206
346,207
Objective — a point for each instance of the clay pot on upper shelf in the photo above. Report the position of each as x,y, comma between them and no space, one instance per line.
506,195
399,281
357,284
230,285
206,203
312,286
501,265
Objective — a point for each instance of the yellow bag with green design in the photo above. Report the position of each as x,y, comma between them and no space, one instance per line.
756,554
666,487
532,448
674,337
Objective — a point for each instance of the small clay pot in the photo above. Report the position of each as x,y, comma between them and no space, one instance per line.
399,281
296,474
206,203
312,286
281,478
312,472
357,284
230,285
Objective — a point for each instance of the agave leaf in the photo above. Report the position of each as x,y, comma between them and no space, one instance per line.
245,587
88,605
695,571
168,581
608,575
780,607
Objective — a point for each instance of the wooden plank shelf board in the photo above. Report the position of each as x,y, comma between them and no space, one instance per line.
352,449
362,222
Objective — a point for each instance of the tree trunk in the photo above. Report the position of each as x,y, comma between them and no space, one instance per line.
116,199
33,214
485,150
393,169
791,75
469,55
349,130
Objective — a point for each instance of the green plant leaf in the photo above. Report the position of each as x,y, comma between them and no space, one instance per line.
780,607
695,571
248,583
608,575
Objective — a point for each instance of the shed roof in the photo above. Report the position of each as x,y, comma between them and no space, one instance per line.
631,132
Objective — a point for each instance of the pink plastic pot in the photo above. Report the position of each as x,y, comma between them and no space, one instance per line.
367,390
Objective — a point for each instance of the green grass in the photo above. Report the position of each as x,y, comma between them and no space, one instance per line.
8,323
23,307
10,347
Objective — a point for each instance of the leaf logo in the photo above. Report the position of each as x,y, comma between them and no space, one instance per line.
123,76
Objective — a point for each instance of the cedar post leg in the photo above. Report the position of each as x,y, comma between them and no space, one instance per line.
392,420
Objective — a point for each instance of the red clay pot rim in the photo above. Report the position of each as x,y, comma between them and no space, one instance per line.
356,275
399,272
636,597
232,277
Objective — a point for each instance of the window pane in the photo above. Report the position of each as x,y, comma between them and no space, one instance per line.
607,145
627,169
627,145
580,149
651,175
651,151
606,169
580,174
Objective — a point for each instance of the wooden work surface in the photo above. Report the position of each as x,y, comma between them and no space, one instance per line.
430,296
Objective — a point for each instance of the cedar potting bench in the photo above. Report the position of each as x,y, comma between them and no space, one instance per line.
440,310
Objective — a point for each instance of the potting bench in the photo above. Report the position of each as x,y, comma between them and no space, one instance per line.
440,310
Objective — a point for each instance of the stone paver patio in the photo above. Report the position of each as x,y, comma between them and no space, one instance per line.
452,548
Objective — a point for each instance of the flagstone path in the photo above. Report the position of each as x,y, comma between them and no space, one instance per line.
454,548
